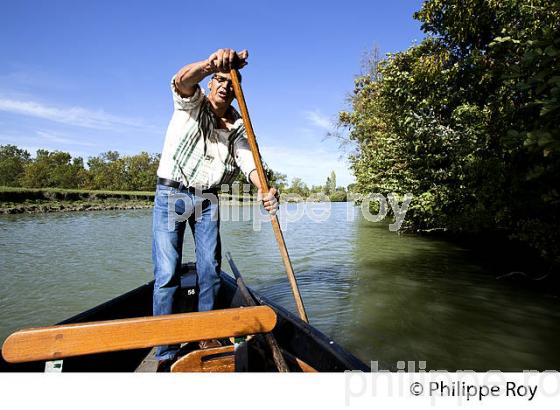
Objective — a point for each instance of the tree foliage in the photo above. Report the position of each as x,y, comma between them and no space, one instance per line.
330,184
112,171
12,163
467,120
57,169
274,178
107,171
299,187
53,169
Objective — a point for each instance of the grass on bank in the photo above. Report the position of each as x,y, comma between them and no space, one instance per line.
9,189
38,200
23,195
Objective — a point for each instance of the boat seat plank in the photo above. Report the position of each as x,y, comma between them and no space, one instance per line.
219,359
56,342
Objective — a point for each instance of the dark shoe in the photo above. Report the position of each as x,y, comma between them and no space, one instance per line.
164,366
209,344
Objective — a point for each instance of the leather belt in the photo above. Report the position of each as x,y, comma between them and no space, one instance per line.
168,182
174,184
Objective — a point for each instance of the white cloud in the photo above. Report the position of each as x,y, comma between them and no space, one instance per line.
313,157
32,148
76,116
319,120
312,166
49,141
48,136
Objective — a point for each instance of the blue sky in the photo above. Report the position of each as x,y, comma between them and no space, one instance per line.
88,77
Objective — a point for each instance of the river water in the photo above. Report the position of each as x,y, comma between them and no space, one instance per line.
383,296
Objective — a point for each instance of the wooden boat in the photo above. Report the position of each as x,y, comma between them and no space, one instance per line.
304,347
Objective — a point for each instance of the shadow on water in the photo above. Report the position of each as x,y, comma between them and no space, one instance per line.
326,292
422,299
391,298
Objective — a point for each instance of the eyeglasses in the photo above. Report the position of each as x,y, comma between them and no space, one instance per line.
223,81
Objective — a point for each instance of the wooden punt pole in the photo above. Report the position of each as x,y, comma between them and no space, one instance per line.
264,187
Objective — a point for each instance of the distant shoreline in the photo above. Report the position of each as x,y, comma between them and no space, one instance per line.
46,200
70,206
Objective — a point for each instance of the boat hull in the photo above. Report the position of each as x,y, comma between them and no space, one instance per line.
293,335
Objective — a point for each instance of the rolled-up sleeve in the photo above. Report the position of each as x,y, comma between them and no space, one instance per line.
243,155
186,103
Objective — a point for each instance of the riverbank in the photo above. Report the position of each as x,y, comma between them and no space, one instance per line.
44,200
71,206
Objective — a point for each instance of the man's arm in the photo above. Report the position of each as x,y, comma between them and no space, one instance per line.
245,161
222,60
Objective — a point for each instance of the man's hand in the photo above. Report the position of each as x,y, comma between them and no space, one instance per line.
224,59
270,200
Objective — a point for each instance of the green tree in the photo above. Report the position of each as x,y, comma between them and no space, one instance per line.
332,181
338,196
107,171
54,169
274,178
330,185
467,121
140,171
278,180
315,189
299,187
12,164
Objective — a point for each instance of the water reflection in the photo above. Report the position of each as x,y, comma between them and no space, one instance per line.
425,300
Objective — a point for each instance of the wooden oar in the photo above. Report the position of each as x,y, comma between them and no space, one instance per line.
249,300
56,342
264,187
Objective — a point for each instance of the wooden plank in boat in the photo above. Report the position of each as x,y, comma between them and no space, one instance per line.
149,364
219,359
57,342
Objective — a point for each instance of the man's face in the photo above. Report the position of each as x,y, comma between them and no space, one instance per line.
221,89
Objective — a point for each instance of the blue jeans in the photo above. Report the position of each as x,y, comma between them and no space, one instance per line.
173,208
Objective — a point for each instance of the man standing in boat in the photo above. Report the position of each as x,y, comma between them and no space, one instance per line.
205,147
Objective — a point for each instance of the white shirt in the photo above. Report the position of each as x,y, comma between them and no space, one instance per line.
198,153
